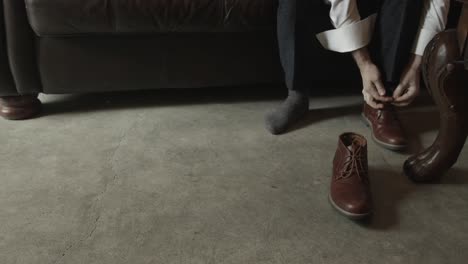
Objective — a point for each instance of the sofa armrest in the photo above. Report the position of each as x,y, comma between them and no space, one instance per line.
21,47
7,86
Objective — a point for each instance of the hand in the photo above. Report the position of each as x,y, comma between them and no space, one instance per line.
409,86
373,88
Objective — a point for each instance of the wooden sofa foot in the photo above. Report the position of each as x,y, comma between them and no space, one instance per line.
19,107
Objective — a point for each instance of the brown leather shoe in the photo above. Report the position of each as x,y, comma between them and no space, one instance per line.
385,126
350,190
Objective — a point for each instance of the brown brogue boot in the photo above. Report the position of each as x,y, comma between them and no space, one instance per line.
350,189
385,126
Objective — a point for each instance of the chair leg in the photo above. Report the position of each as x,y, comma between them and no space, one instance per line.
19,107
447,82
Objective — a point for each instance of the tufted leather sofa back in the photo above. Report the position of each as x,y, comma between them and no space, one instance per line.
70,17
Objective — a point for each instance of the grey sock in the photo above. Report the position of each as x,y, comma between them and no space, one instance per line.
289,112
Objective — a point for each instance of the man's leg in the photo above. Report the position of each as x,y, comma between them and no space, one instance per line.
297,26
396,28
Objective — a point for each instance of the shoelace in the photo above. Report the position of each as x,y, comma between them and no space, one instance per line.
353,162
379,114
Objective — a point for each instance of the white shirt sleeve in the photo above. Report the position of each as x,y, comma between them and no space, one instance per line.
352,32
433,21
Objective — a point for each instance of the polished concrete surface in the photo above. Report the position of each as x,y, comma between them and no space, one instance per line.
193,177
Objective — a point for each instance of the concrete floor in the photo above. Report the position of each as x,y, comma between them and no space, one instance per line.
193,177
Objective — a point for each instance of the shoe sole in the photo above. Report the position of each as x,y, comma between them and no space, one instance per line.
347,214
368,123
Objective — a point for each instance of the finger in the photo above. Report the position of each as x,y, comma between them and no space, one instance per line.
403,104
375,95
405,97
371,102
399,91
380,87
381,92
399,104
378,105
367,98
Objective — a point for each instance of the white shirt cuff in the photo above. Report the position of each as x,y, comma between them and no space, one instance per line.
422,40
349,38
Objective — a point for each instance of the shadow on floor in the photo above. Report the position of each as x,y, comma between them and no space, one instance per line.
455,176
317,115
108,101
93,102
426,120
389,189
416,123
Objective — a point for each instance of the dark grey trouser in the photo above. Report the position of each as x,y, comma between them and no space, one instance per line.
300,20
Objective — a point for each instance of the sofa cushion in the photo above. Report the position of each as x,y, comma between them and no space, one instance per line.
70,17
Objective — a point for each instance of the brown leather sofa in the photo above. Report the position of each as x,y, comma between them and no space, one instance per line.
77,46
